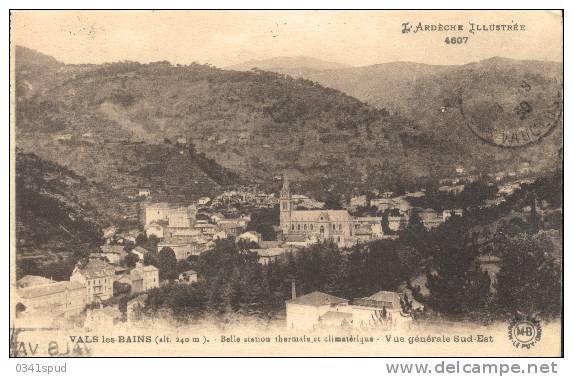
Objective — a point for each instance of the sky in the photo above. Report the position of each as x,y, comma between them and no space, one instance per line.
224,38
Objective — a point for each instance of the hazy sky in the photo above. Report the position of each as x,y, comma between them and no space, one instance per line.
228,37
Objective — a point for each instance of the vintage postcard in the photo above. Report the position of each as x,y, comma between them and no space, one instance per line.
286,183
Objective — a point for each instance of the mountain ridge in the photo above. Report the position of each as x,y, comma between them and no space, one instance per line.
260,124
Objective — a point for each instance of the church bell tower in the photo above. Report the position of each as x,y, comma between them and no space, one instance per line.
285,206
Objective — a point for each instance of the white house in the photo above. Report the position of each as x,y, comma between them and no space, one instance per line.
144,193
140,252
250,236
304,312
98,277
188,277
203,200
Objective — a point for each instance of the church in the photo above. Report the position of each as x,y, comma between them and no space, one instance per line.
322,225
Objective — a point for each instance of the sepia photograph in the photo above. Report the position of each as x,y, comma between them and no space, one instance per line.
286,183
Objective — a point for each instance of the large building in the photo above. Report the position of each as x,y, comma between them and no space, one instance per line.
304,312
98,277
315,310
321,225
141,278
47,297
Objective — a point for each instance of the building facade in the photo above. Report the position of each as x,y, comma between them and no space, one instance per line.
53,299
98,277
325,225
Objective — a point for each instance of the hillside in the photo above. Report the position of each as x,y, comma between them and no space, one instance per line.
295,66
258,124
429,96
54,211
116,123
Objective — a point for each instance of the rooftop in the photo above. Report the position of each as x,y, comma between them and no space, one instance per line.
32,280
49,289
112,249
335,316
269,252
387,299
317,298
97,268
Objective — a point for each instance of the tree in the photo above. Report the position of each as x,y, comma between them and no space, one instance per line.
334,270
151,259
415,233
262,221
121,288
534,217
529,280
131,260
167,264
182,266
141,239
456,283
129,245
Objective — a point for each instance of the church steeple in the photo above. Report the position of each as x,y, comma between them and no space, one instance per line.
285,191
285,205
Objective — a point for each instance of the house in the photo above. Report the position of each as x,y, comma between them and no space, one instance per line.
456,190
133,279
141,279
383,308
98,277
188,277
220,236
358,201
109,232
396,223
144,193
430,218
387,194
372,225
51,298
207,229
216,217
62,137
403,204
508,189
383,203
251,236
140,252
183,249
447,213
268,255
181,140
150,276
113,253
305,311
182,233
232,226
203,201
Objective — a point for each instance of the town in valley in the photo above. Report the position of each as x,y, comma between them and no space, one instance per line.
287,194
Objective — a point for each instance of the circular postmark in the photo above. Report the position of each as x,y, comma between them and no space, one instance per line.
511,113
524,332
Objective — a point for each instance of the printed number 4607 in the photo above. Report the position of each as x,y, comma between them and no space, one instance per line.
456,40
